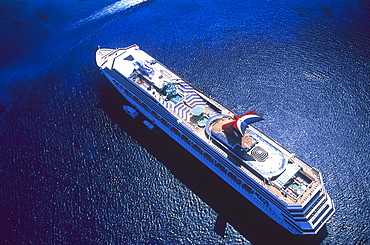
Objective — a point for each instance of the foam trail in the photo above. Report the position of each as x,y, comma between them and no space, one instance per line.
109,10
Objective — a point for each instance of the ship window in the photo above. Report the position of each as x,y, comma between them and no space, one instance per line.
136,99
233,177
154,114
164,122
247,188
222,168
175,131
184,138
145,106
197,148
208,157
298,215
127,92
301,220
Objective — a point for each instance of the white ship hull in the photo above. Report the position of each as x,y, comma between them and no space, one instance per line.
305,214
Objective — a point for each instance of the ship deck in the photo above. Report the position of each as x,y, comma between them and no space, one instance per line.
289,200
192,109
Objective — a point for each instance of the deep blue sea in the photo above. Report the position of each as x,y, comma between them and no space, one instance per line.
75,169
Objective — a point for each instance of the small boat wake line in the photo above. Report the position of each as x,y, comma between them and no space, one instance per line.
109,10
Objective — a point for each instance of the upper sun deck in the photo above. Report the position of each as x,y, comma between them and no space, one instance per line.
255,154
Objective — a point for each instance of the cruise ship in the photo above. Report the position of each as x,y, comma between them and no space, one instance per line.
276,181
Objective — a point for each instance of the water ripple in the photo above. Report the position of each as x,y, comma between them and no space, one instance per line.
109,10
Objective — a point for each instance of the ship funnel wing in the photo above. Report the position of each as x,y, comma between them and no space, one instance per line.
246,119
241,123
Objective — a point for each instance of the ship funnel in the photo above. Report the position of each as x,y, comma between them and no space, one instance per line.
241,123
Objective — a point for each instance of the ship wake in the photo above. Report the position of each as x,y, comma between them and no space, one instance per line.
114,8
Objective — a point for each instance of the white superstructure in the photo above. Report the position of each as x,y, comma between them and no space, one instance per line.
268,175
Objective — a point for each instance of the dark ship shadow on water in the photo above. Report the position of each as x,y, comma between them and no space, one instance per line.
231,206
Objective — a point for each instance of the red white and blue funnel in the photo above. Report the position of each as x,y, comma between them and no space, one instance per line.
241,123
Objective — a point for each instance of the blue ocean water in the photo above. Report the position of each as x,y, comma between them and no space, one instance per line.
75,169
